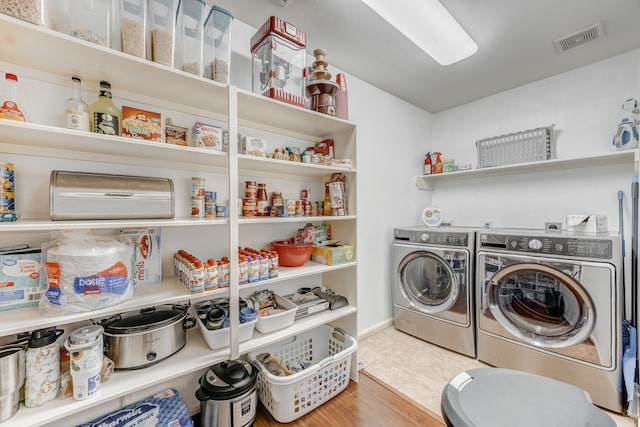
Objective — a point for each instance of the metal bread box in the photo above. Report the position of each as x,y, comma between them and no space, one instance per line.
81,195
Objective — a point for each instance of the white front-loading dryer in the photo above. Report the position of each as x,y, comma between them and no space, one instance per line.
432,285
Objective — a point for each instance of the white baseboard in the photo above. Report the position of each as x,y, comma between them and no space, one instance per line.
375,328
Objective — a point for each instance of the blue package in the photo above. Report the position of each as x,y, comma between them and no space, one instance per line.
164,409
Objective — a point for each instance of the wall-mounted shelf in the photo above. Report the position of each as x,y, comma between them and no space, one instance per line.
426,182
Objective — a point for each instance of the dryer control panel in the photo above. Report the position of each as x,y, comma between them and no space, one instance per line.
583,247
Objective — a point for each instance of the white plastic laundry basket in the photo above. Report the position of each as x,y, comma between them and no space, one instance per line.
290,397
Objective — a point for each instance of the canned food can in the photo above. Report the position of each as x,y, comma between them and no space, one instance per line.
291,207
222,211
197,207
7,176
210,197
210,210
305,194
197,187
249,207
7,202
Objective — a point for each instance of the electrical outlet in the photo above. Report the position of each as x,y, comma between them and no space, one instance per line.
553,226
487,223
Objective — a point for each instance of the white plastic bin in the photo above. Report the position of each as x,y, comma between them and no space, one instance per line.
288,398
277,321
219,338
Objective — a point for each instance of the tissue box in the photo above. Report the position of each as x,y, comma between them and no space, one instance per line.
333,255
587,223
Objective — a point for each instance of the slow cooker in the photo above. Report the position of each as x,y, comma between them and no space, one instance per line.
227,394
138,339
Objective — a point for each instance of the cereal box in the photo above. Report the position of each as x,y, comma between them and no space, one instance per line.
176,135
21,279
253,146
206,136
148,256
141,124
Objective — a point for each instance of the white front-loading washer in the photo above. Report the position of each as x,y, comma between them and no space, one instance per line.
549,303
432,285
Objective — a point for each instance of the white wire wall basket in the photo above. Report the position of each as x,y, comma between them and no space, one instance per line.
531,145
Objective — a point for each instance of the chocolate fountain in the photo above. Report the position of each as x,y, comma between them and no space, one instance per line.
320,88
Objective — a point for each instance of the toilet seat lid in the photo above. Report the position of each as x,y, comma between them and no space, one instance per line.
496,397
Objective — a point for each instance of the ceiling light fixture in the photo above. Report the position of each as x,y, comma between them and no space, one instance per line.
429,25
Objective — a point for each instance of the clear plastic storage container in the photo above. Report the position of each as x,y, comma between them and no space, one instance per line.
189,35
217,45
278,61
133,17
28,10
161,26
89,20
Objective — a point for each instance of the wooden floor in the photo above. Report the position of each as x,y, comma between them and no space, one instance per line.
366,403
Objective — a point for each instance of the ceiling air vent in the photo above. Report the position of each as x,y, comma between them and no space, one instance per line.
583,36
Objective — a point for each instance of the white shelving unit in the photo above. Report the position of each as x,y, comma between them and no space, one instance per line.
426,182
52,57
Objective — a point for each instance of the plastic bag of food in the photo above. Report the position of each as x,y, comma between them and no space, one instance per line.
87,272
338,194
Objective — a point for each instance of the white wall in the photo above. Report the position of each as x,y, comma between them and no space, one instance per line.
585,105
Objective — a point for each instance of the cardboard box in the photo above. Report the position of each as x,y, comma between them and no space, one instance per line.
163,409
22,281
333,255
141,124
176,135
253,146
206,136
587,223
147,254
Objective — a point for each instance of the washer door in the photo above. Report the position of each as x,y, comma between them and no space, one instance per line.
428,282
541,305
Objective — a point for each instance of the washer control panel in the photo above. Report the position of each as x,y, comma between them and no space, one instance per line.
433,237
584,247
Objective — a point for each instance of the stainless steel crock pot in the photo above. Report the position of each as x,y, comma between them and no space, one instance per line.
227,395
12,374
138,339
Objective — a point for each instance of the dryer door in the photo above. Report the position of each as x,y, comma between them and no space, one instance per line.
564,306
434,281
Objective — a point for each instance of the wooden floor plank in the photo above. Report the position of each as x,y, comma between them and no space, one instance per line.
366,403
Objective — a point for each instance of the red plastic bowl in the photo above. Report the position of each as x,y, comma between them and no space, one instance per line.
290,254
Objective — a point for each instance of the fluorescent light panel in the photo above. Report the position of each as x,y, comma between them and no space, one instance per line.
429,25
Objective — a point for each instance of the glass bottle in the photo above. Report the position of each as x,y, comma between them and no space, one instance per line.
105,115
14,105
76,111
263,201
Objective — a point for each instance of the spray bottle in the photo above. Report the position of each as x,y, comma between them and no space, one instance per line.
427,164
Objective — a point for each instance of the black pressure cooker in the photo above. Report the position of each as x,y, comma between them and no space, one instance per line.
227,395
